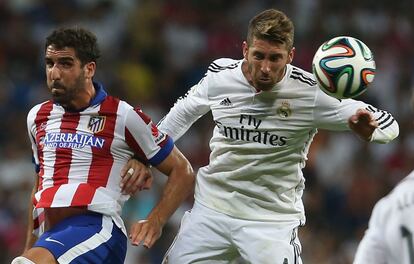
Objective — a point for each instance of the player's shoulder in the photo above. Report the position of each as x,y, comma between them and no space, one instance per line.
221,71
133,111
39,111
401,196
223,64
405,186
300,75
114,100
40,106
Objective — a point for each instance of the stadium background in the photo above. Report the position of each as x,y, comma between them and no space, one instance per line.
153,51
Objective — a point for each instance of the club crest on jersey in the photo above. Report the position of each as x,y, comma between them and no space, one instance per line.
96,123
284,110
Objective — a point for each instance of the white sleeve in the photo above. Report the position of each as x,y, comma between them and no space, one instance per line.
333,114
186,110
31,130
372,248
388,127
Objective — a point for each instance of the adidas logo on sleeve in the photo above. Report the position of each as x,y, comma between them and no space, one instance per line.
226,102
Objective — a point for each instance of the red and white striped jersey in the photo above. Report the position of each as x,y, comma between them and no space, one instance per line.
79,155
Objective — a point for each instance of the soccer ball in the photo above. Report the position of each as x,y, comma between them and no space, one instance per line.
344,67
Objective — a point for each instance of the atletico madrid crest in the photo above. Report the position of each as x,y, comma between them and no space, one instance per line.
96,123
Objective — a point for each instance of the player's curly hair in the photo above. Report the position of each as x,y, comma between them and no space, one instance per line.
271,25
81,40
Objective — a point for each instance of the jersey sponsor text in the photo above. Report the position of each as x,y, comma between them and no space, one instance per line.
71,140
254,135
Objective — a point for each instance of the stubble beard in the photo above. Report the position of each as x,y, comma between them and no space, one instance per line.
70,93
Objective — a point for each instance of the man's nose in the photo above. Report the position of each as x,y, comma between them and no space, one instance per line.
54,73
265,67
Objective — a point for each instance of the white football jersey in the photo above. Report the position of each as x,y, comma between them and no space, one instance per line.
389,238
261,139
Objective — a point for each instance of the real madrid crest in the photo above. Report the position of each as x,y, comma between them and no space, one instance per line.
96,123
284,110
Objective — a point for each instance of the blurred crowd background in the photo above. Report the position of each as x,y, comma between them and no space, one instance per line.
154,51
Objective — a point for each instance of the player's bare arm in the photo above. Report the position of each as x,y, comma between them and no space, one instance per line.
363,124
179,186
135,176
30,238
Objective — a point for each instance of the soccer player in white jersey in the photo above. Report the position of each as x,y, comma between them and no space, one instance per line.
81,140
248,199
389,238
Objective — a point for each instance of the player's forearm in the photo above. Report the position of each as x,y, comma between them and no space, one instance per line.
30,238
179,186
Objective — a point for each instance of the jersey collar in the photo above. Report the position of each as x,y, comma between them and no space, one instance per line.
100,94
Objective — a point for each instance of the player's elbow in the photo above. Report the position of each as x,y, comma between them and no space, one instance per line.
178,169
185,174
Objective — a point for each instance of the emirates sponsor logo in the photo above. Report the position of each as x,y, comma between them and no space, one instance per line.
250,130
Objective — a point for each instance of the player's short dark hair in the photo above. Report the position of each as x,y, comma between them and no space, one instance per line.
271,25
81,40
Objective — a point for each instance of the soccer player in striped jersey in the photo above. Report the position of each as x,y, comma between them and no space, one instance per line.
81,140
248,199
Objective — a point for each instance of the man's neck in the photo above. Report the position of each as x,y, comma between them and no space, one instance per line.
83,100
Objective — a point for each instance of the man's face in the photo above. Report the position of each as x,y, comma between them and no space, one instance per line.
65,75
266,62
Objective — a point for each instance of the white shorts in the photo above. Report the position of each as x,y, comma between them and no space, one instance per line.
207,236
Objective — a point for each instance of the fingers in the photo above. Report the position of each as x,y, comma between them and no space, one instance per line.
135,182
127,166
135,176
127,180
353,119
148,183
145,233
142,179
137,233
363,123
139,181
367,118
363,116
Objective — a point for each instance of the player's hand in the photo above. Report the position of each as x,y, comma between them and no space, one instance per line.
363,124
146,232
135,176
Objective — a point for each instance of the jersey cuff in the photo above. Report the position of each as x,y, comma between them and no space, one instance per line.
380,136
163,153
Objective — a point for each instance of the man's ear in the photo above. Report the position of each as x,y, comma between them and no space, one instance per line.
245,50
90,68
291,55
